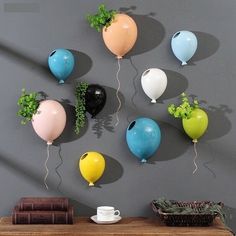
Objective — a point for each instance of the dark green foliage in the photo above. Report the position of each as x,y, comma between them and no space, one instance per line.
28,104
173,208
102,19
80,105
185,109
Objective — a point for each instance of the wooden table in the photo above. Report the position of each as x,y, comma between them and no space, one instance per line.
126,227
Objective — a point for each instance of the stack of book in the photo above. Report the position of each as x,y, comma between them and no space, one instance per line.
43,210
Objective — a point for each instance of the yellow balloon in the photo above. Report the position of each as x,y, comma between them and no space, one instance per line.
196,125
92,166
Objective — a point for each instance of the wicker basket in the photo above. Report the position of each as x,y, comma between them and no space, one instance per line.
196,219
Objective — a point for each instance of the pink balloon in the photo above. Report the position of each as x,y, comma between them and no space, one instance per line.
50,120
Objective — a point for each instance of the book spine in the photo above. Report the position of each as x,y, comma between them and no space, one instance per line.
43,217
51,204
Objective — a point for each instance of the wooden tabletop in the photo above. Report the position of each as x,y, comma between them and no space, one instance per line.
133,226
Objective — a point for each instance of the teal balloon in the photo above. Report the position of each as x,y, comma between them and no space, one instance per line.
184,45
61,63
143,137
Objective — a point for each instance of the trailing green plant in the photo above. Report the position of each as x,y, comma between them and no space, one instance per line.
80,109
173,208
28,103
103,18
185,109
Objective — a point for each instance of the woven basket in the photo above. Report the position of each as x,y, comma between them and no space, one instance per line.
196,219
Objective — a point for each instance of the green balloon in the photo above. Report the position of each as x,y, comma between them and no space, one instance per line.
196,125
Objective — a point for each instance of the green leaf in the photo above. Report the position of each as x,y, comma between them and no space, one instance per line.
28,105
80,92
102,18
183,110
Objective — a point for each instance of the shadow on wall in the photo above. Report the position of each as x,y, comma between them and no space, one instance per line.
207,46
176,84
81,209
83,64
104,120
31,175
173,143
112,173
69,134
150,32
219,124
18,56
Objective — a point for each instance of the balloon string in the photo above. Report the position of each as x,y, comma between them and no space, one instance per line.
46,168
195,158
117,93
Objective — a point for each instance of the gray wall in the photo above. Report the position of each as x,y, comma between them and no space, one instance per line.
31,30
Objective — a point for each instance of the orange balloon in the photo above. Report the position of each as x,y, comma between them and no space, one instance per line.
121,35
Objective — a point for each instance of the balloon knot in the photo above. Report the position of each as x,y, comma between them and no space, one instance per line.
61,81
194,141
153,101
143,161
119,57
49,142
184,63
91,184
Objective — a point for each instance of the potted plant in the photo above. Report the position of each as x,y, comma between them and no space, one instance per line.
194,119
119,30
80,109
90,98
182,213
48,117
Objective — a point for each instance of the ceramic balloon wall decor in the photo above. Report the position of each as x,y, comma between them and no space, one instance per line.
49,121
90,98
119,33
91,166
194,120
61,63
154,82
184,45
143,137
95,99
48,118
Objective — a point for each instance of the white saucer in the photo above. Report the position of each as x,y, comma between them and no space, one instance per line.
94,218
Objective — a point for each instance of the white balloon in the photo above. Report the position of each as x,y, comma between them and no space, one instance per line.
154,82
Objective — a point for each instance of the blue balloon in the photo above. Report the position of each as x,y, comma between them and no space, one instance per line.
143,137
61,63
184,45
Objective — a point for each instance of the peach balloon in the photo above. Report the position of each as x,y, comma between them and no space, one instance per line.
121,35
49,121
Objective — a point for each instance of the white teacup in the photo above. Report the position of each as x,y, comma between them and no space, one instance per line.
107,213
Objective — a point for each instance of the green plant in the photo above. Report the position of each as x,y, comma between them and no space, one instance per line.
28,104
80,110
103,18
172,207
185,109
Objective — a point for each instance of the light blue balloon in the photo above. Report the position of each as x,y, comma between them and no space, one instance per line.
61,63
184,45
143,137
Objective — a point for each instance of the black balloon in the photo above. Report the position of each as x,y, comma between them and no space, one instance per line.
95,99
